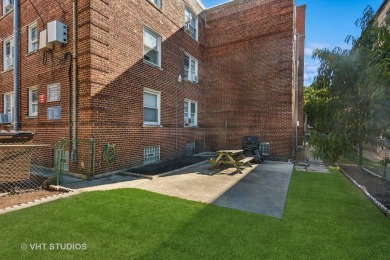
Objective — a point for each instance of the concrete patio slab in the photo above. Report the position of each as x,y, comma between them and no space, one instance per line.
261,189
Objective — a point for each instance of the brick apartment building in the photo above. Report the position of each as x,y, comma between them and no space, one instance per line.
154,77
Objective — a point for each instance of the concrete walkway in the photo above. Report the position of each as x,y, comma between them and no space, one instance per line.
261,189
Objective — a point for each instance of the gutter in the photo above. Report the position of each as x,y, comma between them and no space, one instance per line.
16,122
74,85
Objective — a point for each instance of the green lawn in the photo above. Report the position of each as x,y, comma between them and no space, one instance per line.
326,217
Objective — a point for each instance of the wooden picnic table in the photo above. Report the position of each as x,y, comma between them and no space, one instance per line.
231,157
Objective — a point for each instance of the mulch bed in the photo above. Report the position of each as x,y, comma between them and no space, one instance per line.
167,166
17,199
377,187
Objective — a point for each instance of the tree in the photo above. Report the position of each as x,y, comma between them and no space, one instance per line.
356,106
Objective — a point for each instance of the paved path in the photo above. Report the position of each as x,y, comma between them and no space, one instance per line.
261,189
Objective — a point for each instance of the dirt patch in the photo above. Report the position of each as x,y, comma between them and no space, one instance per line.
378,188
17,199
167,166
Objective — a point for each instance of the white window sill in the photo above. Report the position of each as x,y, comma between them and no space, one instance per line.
190,81
153,65
191,126
32,117
151,125
195,39
31,53
5,71
5,14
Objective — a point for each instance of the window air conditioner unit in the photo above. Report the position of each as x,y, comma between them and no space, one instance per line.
9,61
5,119
188,28
195,78
187,121
8,4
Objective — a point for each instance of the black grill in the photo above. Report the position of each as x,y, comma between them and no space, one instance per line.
251,146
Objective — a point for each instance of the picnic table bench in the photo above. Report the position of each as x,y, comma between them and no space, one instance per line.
235,158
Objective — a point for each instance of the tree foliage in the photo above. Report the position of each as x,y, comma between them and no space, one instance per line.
350,96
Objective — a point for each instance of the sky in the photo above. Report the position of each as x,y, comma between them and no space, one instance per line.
328,23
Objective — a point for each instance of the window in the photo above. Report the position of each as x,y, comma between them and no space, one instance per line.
33,102
156,2
32,37
8,53
8,6
9,105
190,113
190,68
151,107
191,23
152,47
151,154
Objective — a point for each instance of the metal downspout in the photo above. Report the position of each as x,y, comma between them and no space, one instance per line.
16,122
74,80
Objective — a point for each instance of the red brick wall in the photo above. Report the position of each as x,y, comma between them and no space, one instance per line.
38,69
245,75
248,57
119,75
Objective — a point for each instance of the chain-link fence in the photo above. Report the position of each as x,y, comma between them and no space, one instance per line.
25,166
377,162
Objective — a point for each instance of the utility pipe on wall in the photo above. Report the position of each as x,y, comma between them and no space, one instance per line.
16,66
74,80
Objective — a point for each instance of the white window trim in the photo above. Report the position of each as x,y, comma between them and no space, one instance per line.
158,5
189,71
196,23
4,11
30,113
158,36
158,94
11,40
30,40
189,101
12,104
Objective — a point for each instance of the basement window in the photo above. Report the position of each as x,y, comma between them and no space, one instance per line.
151,154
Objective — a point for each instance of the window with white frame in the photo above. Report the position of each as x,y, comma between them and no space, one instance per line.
151,107
190,68
33,37
156,2
8,53
33,101
151,154
190,113
9,105
8,6
191,23
152,47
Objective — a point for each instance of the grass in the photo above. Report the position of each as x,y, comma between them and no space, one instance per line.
325,217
